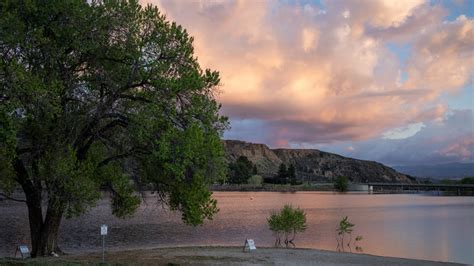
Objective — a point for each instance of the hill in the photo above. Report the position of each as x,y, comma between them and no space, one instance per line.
311,164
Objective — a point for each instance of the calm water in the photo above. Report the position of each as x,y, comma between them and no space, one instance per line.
410,226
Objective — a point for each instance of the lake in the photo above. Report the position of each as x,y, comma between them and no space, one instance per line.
399,225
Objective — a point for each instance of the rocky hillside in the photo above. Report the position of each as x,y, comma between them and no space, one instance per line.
312,165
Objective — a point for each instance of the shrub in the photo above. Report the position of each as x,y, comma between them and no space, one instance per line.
255,180
341,183
467,180
345,228
288,222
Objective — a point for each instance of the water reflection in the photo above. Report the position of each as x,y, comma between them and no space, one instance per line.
412,226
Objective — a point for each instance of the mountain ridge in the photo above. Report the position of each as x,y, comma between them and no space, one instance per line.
312,164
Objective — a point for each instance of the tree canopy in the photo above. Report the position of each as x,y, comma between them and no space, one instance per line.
282,172
286,174
341,183
240,170
109,95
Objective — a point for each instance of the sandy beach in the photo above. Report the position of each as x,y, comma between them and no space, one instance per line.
227,256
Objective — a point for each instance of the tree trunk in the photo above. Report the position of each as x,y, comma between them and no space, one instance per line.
49,231
33,194
44,233
35,217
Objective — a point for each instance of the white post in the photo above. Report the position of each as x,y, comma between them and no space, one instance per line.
103,248
103,233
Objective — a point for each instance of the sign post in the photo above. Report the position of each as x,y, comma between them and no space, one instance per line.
250,245
103,233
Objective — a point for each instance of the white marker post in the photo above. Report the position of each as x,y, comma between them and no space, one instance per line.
103,233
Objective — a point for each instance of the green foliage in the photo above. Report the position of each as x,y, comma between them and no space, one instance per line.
240,171
449,181
291,173
286,175
7,149
106,95
467,180
426,181
254,170
286,222
345,228
255,180
341,183
70,181
282,171
183,165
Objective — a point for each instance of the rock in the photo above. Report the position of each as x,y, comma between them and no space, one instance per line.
312,164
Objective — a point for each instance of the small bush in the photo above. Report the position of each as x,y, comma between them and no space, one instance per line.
341,183
288,222
345,228
255,180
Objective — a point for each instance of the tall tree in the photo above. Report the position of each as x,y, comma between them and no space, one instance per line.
292,174
95,95
282,173
254,170
240,170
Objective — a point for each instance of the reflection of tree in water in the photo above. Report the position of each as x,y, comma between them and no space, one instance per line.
344,231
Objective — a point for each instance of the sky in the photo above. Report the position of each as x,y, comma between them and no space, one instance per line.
390,81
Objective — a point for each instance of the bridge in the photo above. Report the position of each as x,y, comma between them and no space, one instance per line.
459,188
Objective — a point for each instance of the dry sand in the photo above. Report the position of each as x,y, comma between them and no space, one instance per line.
232,256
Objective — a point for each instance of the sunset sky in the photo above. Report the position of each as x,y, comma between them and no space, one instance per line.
390,81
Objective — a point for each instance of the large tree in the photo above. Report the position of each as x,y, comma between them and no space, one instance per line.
240,171
103,95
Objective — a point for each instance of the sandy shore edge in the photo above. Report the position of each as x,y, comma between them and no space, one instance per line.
216,255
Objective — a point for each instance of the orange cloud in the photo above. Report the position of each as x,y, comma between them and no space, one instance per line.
328,74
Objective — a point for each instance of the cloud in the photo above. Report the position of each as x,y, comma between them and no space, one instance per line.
442,57
448,140
322,74
462,148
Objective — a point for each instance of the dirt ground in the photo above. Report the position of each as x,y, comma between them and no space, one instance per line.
223,256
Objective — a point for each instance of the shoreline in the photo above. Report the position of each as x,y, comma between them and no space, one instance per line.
328,188
205,255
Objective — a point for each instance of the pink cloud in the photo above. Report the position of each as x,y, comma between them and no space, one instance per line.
462,148
327,74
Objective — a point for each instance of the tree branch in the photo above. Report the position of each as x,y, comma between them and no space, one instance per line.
113,158
133,151
134,98
112,124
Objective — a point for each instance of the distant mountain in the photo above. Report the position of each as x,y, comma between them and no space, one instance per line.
312,164
439,171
